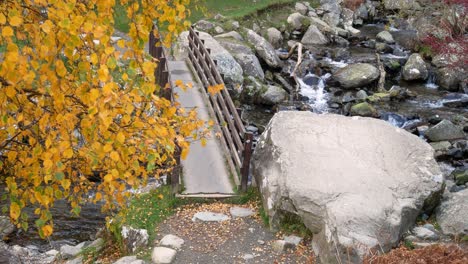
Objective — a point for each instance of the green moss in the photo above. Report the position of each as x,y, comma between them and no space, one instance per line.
292,224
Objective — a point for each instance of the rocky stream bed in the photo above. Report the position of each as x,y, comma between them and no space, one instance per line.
345,53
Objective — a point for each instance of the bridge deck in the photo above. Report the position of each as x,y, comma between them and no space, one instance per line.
204,169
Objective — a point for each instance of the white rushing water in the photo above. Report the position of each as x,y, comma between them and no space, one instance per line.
317,95
430,84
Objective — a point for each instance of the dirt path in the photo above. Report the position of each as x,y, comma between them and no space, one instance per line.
238,240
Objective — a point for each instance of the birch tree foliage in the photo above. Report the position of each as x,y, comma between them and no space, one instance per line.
75,102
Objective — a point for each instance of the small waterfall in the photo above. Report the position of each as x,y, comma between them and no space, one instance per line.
430,84
313,87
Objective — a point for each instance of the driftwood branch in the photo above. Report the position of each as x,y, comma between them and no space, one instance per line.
381,83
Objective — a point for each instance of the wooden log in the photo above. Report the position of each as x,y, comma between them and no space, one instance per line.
381,82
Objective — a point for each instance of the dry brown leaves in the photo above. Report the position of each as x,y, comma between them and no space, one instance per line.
435,254
206,236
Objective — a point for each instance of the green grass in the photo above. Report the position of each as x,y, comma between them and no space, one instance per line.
233,9
146,211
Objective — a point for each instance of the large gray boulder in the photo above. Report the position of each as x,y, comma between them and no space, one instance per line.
226,64
401,4
357,183
264,49
273,95
356,75
244,55
313,36
452,214
415,68
386,37
444,130
449,78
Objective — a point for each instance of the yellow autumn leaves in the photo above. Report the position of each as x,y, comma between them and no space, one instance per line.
76,105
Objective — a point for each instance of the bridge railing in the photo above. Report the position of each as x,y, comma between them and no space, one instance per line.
236,139
163,80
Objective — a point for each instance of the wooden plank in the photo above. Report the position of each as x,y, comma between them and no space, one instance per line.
221,118
246,161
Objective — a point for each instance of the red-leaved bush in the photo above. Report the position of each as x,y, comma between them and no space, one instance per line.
352,4
449,37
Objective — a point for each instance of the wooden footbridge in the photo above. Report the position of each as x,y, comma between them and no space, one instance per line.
222,166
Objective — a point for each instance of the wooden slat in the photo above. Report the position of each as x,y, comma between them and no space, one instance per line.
221,119
235,134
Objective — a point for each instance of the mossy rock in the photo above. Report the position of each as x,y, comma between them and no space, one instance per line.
364,109
460,176
378,97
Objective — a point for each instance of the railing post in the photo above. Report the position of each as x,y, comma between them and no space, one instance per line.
246,161
175,174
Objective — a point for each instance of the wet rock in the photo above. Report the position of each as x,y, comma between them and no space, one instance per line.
451,214
171,241
392,65
6,227
401,4
364,109
415,68
340,41
239,212
445,130
434,120
163,255
134,238
361,95
273,95
356,75
264,49
460,176
274,37
368,179
386,37
313,36
449,79
383,47
210,217
461,103
424,233
441,148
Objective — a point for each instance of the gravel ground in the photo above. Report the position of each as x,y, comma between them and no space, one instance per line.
241,240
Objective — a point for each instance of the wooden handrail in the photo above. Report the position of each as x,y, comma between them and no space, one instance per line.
163,80
236,139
